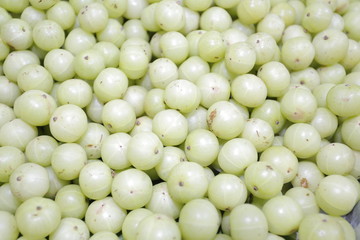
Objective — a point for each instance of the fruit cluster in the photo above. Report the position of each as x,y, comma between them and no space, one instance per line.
179,119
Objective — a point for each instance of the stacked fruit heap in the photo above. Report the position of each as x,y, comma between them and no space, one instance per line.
188,119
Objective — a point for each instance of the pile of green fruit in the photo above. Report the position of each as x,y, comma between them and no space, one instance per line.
179,119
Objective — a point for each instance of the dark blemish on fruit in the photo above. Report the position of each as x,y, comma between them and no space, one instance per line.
211,117
181,183
304,183
100,208
269,167
54,119
188,148
255,188
113,173
326,37
86,57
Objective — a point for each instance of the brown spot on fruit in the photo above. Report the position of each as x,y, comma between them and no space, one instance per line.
304,183
113,173
211,118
